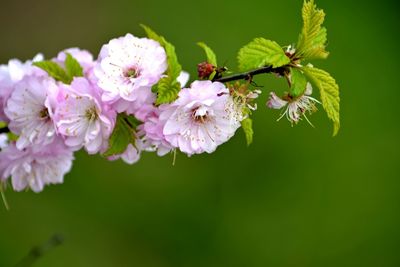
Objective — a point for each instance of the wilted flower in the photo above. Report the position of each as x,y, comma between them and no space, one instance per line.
297,107
243,96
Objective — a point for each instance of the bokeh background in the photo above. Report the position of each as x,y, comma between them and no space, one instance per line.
296,197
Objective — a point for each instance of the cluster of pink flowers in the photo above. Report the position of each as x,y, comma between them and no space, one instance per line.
51,120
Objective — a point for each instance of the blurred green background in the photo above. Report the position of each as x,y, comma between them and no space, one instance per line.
296,197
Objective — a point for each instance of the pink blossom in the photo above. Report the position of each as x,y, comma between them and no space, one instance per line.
81,118
131,155
183,78
202,118
127,68
3,141
18,70
36,166
140,107
13,73
151,132
29,111
5,90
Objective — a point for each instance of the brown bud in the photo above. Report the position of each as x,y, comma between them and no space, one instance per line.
205,69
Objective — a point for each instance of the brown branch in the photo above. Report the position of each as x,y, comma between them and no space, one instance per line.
250,74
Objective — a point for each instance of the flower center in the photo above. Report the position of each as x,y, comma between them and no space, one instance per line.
200,114
44,113
91,114
132,72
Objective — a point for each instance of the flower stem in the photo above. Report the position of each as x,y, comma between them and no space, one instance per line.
37,252
250,74
3,196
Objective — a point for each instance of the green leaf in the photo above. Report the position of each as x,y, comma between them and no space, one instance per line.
313,38
12,137
3,124
247,126
72,66
329,91
72,69
124,133
167,87
212,75
167,90
132,121
298,83
152,35
174,68
54,70
260,53
211,57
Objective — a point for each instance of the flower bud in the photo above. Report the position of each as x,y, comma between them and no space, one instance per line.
205,70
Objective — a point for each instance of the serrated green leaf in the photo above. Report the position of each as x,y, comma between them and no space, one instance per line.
313,38
54,70
72,69
167,87
329,91
261,52
72,66
167,90
298,82
122,135
247,126
211,57
174,68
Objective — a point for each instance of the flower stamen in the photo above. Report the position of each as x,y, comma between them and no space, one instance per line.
91,114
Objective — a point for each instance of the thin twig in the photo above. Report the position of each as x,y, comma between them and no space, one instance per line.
250,74
39,251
